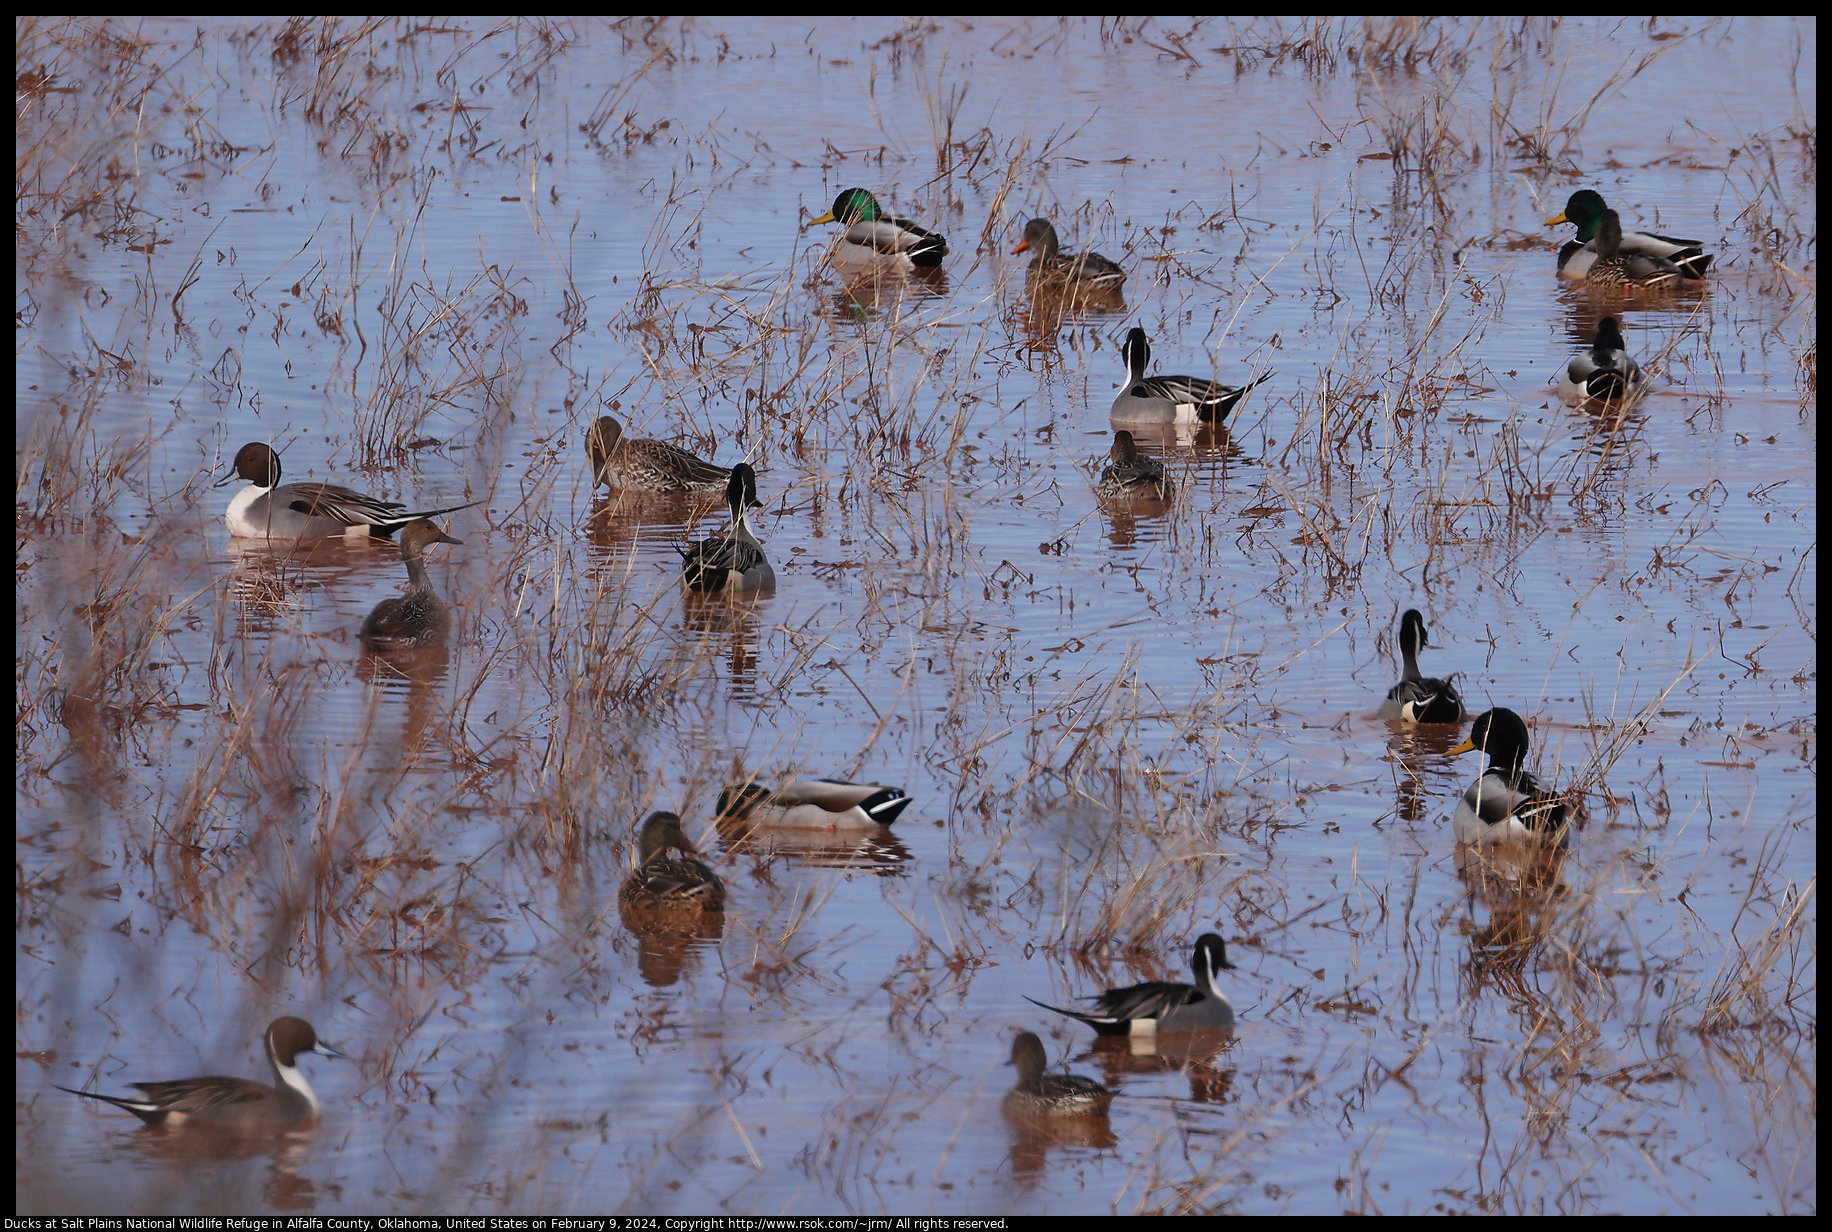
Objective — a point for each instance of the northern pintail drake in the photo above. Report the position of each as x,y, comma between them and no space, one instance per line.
1133,476
1605,371
874,239
1585,211
1159,1007
266,509
735,562
669,882
815,804
1507,805
234,1103
1041,1094
1618,269
1418,698
645,465
1170,399
1089,271
419,617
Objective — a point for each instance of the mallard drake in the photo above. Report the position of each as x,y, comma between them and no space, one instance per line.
1585,210
1049,267
1041,1094
419,617
1605,371
1133,476
1615,269
1159,1007
266,509
667,882
1417,698
645,465
874,238
816,804
735,562
1170,399
233,1104
1507,805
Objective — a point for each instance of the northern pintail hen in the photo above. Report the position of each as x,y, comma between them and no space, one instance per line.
817,804
1170,399
1585,211
266,509
1133,476
419,617
1606,370
1619,269
1041,1094
647,466
1088,271
1159,1007
234,1103
667,882
735,562
1508,805
1418,698
874,239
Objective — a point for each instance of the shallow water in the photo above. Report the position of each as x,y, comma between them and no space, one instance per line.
419,258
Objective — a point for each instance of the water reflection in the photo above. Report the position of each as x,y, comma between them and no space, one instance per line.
720,626
666,940
1034,1136
270,579
1190,1053
876,850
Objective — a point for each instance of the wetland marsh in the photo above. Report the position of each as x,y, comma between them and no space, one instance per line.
423,258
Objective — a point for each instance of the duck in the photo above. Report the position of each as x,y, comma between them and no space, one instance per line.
664,882
1170,399
1605,371
1508,805
1417,698
234,1103
1617,269
1133,476
875,239
817,804
1041,1094
735,562
645,465
1585,210
419,617
1158,1007
266,509
1049,267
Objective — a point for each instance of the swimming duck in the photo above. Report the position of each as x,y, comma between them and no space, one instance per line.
1585,211
817,804
662,881
1159,1007
645,465
1507,805
1604,371
1170,399
1616,269
1087,272
1041,1094
266,510
419,617
874,238
735,562
1417,698
1132,475
234,1103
